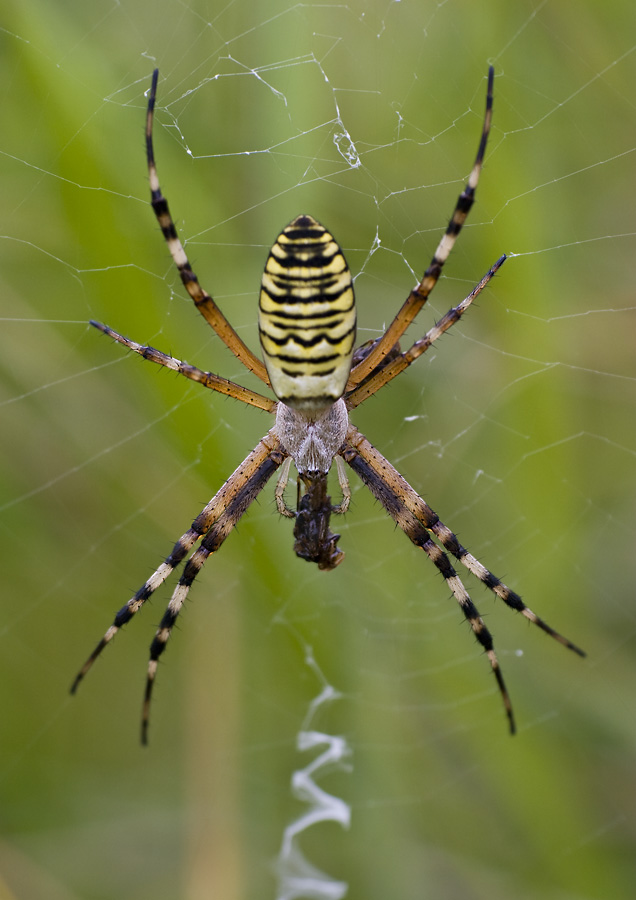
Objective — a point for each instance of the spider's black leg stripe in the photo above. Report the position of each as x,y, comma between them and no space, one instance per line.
416,531
237,504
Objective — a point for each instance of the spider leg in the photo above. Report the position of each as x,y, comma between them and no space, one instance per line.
509,597
420,294
416,518
202,300
279,493
240,499
400,361
207,379
213,523
345,489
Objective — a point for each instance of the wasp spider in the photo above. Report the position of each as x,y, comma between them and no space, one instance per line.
307,326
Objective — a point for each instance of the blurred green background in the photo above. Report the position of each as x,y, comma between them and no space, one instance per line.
518,428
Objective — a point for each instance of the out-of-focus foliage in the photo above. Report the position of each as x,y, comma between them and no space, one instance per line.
518,429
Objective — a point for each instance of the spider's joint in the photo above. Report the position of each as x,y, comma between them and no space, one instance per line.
349,454
433,271
278,458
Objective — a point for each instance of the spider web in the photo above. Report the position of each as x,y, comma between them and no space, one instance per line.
303,719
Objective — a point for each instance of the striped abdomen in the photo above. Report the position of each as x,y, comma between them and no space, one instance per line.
307,317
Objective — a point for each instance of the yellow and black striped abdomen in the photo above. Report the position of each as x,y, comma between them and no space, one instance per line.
307,316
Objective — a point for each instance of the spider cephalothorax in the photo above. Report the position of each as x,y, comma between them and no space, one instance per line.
307,324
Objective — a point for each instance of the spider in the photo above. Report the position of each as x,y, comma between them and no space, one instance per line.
307,326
